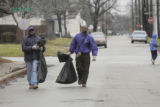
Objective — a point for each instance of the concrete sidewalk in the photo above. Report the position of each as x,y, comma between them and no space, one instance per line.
10,70
17,68
7,68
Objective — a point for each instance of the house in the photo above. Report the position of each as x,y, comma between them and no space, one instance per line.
73,21
74,24
9,32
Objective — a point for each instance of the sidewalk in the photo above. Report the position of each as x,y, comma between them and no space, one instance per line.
11,70
18,67
7,68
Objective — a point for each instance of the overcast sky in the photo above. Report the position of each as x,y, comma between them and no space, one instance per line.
123,6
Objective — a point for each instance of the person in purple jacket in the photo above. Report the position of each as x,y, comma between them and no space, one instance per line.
31,56
153,48
82,44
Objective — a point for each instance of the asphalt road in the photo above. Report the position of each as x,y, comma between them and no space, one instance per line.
122,76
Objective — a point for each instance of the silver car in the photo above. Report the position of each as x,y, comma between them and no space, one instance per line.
140,36
100,38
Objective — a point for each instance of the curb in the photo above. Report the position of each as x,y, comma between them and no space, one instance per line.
6,78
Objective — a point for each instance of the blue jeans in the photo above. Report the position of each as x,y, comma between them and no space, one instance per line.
32,72
154,54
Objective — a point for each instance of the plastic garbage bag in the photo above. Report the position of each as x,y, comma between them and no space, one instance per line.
42,69
67,74
62,56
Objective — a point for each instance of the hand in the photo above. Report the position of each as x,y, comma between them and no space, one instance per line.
41,48
94,58
68,53
35,47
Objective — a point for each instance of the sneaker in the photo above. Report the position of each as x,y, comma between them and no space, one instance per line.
83,85
79,82
153,62
35,86
30,87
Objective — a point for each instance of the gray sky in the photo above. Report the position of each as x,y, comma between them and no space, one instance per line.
122,5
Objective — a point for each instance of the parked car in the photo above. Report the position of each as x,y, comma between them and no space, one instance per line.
140,36
100,38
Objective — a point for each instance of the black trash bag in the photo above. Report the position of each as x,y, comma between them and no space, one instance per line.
42,69
62,56
67,74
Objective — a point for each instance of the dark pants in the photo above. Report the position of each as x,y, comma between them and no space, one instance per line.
82,66
154,54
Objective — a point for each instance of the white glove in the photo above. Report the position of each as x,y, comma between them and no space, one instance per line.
41,48
35,47
94,58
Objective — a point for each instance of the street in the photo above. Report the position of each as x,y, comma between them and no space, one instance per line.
122,76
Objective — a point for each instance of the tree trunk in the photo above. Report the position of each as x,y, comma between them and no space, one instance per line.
65,24
14,18
59,24
143,13
95,23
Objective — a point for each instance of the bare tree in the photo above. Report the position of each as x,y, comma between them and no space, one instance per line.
58,8
7,7
51,8
120,24
97,8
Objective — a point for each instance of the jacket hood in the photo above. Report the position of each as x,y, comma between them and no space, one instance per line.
154,36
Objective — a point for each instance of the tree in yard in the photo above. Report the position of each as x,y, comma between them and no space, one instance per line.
59,8
97,8
51,8
8,7
20,8
68,7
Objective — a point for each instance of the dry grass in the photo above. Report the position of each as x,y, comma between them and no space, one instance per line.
52,46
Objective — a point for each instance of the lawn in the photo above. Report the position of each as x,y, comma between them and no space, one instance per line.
52,46
158,40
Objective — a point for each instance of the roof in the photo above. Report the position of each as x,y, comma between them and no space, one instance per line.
8,20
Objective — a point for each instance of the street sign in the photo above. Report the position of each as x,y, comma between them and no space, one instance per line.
150,20
131,29
22,9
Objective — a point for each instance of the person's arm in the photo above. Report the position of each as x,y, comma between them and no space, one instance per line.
94,48
72,46
26,48
154,44
43,48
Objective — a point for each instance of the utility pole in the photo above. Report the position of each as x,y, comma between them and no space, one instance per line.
139,11
143,14
155,30
147,16
158,19
133,15
136,16
151,15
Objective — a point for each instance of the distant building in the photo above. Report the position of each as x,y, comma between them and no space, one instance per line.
73,20
9,32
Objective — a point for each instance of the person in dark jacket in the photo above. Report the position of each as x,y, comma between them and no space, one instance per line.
153,48
31,56
82,44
